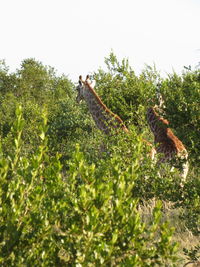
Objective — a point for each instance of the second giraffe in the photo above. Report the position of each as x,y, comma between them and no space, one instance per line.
167,143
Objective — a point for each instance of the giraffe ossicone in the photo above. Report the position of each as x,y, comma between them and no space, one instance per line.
104,118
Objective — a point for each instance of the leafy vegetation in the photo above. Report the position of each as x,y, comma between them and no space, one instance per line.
71,196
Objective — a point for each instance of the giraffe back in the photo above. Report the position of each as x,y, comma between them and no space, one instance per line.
167,143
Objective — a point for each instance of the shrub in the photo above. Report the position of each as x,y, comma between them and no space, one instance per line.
81,217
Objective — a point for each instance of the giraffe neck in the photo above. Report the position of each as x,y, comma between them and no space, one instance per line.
158,125
105,119
168,142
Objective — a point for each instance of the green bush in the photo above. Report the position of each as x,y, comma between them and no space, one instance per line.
50,217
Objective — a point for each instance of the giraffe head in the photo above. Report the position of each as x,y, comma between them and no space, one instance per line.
82,88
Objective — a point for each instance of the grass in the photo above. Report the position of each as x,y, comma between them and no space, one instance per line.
182,235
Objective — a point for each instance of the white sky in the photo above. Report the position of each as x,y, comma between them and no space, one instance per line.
74,36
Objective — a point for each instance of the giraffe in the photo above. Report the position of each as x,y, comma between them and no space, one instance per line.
167,143
104,118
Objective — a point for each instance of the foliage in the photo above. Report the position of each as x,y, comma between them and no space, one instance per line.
53,218
185,116
122,90
71,196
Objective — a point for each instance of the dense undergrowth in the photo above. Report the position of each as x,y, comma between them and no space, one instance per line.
70,196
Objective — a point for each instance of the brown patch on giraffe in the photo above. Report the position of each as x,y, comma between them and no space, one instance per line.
168,138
